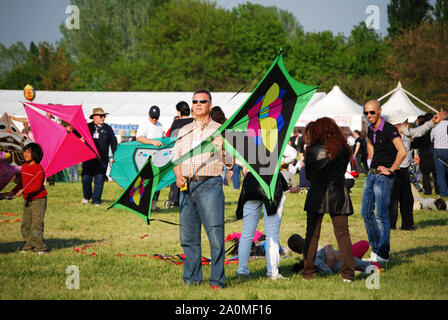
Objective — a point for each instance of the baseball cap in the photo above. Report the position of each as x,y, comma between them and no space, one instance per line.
154,112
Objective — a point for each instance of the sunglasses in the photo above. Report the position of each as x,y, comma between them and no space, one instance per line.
371,112
201,101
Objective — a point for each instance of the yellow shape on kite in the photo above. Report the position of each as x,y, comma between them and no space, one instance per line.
136,195
268,125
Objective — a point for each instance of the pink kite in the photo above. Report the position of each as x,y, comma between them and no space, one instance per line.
61,149
236,235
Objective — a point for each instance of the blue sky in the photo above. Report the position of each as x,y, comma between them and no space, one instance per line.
39,20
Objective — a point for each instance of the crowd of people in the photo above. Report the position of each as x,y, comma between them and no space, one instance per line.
326,161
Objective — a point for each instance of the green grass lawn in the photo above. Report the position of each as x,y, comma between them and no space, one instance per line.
123,244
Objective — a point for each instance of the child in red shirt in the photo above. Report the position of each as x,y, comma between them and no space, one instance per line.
33,190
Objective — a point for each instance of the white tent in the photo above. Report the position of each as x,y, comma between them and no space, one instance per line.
316,97
126,109
399,100
336,105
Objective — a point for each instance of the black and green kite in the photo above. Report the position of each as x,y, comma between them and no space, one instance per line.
257,135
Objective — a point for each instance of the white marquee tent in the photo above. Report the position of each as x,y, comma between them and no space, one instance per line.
126,109
336,105
400,100
129,109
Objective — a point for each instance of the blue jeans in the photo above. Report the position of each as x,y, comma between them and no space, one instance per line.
441,170
236,176
251,216
203,203
377,189
98,180
73,175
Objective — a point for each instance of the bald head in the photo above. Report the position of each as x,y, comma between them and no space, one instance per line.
372,111
373,104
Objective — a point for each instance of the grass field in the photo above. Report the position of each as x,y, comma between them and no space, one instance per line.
116,261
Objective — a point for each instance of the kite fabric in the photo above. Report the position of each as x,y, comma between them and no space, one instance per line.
61,149
71,114
256,134
130,157
137,197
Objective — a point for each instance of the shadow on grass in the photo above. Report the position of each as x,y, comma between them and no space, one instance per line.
52,244
432,223
403,256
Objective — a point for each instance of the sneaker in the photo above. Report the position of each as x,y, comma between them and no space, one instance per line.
40,252
169,204
381,260
97,204
375,258
347,280
276,277
24,250
84,201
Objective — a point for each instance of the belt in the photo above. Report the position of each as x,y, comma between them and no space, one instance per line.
200,178
376,171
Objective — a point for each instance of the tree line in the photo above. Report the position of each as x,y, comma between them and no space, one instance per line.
180,45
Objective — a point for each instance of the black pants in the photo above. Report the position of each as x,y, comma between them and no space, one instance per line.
361,161
154,200
174,194
427,185
401,194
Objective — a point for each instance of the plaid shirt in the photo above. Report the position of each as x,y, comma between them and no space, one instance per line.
208,163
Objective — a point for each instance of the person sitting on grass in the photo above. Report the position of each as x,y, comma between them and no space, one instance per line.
34,193
327,259
430,204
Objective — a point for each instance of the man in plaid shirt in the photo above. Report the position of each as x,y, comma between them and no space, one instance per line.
202,198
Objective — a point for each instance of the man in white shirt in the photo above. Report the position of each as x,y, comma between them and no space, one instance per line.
151,128
148,131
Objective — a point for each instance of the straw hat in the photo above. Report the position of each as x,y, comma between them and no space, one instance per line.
98,111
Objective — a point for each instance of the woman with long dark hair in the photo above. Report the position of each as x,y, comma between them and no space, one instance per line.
326,161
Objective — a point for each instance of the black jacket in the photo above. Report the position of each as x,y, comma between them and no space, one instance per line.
252,190
425,150
106,138
327,193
